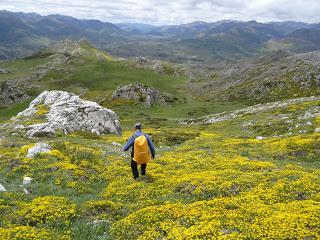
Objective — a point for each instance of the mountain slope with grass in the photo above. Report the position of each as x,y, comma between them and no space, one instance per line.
213,181
278,76
254,175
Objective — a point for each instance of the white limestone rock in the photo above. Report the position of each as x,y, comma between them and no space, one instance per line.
68,112
38,148
26,181
2,188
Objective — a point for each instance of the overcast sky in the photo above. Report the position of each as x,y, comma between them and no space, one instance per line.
173,11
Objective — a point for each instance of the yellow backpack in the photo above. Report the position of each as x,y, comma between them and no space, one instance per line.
141,150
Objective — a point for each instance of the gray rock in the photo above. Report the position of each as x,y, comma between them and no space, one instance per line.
2,188
56,60
41,130
3,71
38,148
68,113
11,94
18,127
26,191
66,47
141,61
98,222
116,144
160,67
27,180
259,108
317,130
141,93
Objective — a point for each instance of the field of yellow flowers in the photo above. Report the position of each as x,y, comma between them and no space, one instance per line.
214,181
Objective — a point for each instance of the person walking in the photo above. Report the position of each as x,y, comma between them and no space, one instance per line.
142,150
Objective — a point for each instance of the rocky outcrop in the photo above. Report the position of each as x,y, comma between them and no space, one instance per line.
37,149
66,47
67,112
11,94
3,71
259,108
269,78
56,62
141,93
160,67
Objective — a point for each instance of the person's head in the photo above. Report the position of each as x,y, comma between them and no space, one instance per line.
137,126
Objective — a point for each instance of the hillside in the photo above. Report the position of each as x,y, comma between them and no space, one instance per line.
241,173
78,67
255,176
94,75
280,75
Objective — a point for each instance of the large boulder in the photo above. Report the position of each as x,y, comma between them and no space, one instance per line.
141,93
67,112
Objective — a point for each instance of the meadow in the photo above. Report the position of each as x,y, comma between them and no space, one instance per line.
208,182
253,177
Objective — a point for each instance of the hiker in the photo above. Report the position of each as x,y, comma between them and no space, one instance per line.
142,150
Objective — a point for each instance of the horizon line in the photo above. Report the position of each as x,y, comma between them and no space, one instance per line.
155,24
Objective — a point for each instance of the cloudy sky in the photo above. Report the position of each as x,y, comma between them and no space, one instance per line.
173,11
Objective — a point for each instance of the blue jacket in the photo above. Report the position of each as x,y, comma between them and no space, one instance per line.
130,143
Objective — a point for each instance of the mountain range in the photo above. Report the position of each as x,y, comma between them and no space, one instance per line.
23,34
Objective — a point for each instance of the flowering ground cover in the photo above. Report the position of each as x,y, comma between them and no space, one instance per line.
215,181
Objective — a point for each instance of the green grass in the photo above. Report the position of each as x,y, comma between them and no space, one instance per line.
20,67
106,76
169,115
8,112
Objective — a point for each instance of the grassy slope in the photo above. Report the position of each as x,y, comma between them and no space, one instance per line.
211,181
219,181
95,80
19,68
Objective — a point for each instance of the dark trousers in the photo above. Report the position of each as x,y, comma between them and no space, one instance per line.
135,172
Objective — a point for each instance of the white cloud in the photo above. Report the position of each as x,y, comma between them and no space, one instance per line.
174,11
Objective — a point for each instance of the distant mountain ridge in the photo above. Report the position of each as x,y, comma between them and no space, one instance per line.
22,34
30,32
